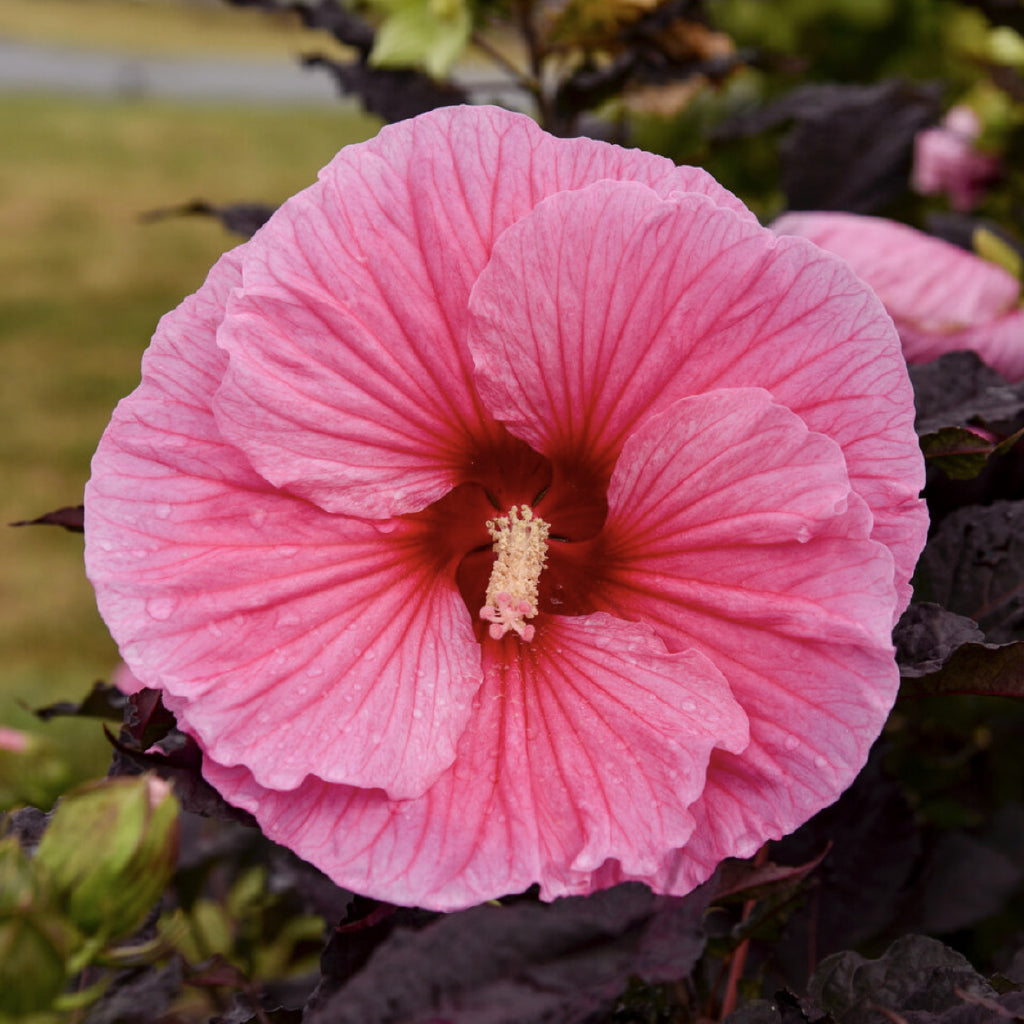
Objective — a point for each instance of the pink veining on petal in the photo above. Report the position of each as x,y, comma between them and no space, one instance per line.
350,383
287,521
587,747
739,536
606,304
302,642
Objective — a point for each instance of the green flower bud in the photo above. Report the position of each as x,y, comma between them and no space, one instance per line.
34,942
32,770
110,851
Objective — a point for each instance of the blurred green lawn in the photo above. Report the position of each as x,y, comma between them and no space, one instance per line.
160,27
82,285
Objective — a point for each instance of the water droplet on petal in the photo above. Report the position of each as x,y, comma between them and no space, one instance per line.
162,511
286,550
257,517
315,670
213,629
791,743
161,608
820,762
386,525
688,705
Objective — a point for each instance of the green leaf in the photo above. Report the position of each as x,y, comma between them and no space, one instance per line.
989,246
962,453
430,34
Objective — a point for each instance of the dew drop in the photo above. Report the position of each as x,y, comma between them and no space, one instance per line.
161,608
315,670
162,511
417,713
107,545
820,762
791,743
262,718
386,525
213,629
286,550
257,517
370,655
688,705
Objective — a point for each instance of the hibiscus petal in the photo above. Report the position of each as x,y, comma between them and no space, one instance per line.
587,744
606,304
999,343
921,280
298,641
350,382
732,530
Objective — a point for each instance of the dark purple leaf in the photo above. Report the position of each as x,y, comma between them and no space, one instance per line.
850,146
318,893
326,15
71,517
965,881
102,701
927,635
974,565
916,973
562,962
958,389
183,767
785,1008
873,848
243,219
989,670
745,880
27,825
146,720
391,94
940,652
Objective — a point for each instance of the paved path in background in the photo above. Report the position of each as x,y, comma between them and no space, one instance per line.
26,67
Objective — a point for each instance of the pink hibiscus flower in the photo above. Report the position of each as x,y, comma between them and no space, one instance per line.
942,298
946,160
513,509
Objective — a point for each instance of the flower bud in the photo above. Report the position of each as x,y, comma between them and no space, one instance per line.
110,851
32,770
34,942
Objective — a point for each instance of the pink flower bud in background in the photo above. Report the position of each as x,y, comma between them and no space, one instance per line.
946,161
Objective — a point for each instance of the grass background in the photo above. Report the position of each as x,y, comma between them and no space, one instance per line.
83,283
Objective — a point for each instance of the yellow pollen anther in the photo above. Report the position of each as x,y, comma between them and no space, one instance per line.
521,549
